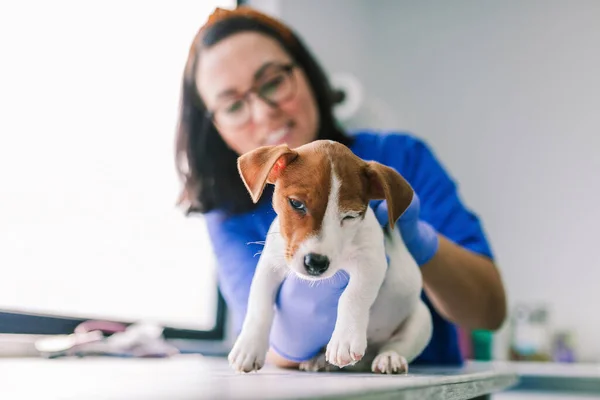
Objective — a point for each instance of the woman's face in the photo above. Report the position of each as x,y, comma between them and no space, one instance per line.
258,98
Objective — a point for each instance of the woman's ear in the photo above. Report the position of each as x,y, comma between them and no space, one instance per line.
385,183
263,165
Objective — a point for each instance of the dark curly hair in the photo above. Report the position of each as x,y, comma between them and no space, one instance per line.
204,162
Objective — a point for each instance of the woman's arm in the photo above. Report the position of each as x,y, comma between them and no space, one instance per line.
465,287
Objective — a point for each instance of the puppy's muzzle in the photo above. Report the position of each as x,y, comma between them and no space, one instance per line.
316,264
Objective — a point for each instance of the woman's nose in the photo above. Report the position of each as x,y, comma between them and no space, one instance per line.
262,111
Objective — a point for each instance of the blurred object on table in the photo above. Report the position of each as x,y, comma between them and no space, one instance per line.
105,338
482,344
563,347
530,334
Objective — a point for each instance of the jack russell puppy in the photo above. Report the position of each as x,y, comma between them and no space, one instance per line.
324,224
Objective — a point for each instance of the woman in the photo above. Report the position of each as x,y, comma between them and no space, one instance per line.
249,81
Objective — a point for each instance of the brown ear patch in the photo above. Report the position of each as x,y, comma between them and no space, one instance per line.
263,165
385,183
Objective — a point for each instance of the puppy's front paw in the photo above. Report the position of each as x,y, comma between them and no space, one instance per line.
389,362
346,348
248,353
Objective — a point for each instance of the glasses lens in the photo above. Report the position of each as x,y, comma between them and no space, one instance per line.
277,87
233,113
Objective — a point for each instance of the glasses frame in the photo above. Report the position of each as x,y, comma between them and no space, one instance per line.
286,68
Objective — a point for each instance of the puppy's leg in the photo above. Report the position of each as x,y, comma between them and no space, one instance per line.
406,344
349,339
250,349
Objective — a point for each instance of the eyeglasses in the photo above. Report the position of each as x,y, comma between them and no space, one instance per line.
275,86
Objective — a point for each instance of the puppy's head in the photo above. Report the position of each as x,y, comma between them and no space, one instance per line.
322,192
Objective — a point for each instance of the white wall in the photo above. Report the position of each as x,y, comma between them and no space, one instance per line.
508,94
88,104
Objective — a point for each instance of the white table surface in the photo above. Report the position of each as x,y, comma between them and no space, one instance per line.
197,377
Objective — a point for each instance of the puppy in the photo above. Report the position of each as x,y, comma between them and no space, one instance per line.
324,224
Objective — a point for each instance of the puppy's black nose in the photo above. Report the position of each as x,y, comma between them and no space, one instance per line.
316,264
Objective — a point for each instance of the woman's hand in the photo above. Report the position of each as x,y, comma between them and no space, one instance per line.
420,237
305,317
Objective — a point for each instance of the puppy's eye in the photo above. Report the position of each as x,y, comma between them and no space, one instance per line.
297,205
350,217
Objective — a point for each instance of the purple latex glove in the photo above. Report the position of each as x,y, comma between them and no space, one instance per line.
420,237
307,311
305,316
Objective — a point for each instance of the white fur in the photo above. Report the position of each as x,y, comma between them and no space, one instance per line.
380,308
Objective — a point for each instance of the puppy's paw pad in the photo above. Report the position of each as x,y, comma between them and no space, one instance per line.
389,362
344,350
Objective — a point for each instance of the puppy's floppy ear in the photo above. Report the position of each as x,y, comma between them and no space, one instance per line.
263,165
385,183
